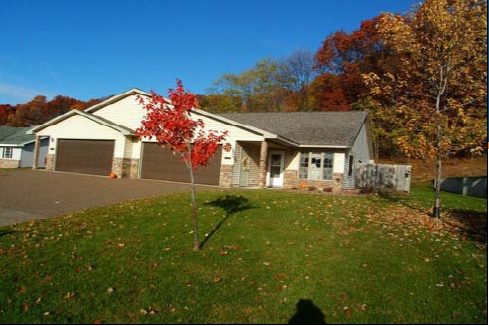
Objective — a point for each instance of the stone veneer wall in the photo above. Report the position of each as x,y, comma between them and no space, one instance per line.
50,162
9,164
226,175
117,166
291,180
125,167
130,168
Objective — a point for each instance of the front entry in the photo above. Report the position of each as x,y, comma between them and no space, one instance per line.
275,174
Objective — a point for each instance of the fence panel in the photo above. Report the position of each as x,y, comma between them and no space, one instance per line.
378,176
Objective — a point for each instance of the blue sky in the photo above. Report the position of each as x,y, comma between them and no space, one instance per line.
92,48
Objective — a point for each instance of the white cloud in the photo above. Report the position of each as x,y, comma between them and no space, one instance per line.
12,94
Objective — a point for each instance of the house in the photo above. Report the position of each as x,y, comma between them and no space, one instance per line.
17,148
288,150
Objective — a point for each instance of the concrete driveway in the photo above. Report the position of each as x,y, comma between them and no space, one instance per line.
33,194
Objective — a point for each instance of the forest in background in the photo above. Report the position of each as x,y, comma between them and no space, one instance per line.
374,68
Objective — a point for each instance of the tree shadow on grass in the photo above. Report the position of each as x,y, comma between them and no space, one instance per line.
472,223
5,232
400,198
307,314
231,204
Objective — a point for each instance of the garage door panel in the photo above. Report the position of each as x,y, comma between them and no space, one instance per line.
160,163
85,156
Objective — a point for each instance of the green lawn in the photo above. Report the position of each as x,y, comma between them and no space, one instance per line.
269,257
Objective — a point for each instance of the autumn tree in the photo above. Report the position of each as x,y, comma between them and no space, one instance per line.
6,111
270,85
31,113
170,123
296,74
440,90
220,103
343,58
326,94
260,87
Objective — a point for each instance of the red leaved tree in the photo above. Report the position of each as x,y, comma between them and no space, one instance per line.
170,123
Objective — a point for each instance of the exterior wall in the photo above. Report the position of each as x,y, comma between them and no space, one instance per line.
226,176
291,180
16,153
9,163
27,158
43,152
235,134
50,162
27,155
291,173
252,152
125,167
360,152
126,112
78,127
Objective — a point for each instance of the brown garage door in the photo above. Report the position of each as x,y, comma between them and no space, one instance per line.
160,163
85,156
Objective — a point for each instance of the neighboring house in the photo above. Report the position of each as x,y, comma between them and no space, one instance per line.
318,149
17,148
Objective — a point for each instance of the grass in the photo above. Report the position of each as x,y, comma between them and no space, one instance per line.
267,257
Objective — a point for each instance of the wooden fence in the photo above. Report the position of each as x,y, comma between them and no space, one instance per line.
379,176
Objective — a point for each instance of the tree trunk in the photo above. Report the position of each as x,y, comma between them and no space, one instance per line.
194,206
436,207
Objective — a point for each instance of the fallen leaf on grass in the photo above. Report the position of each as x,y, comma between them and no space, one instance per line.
69,295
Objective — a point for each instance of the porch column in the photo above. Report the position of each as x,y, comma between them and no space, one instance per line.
263,164
36,153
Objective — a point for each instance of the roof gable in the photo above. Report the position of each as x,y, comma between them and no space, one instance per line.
116,98
102,121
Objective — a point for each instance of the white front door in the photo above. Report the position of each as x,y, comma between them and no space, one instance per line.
275,174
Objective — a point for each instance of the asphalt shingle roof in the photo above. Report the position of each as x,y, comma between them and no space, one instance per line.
307,128
14,135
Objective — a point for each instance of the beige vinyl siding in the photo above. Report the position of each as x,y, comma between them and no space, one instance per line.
253,152
79,127
234,134
126,112
338,159
360,153
16,152
236,166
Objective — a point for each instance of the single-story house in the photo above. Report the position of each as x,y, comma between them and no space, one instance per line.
289,150
17,148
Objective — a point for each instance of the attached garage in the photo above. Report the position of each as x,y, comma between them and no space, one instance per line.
85,156
160,163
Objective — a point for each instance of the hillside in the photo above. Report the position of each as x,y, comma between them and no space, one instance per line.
424,171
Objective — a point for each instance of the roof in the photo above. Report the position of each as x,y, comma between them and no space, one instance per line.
15,136
335,129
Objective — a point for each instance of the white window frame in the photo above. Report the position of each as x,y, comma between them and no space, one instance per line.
311,166
7,152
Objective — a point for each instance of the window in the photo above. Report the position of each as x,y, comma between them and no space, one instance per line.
316,166
7,152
